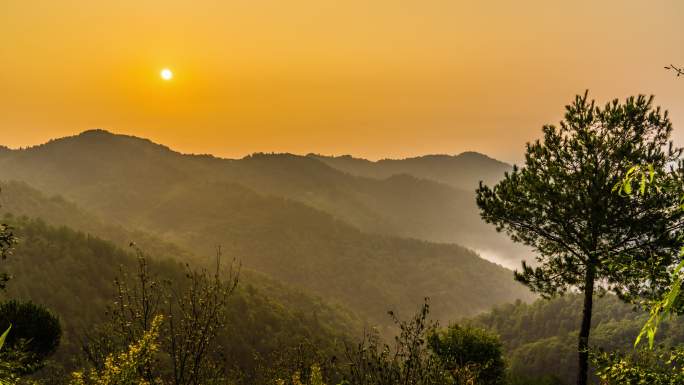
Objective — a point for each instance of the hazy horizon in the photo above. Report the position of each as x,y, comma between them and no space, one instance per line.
246,155
375,80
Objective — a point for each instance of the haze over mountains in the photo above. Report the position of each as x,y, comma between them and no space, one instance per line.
327,245
463,174
462,171
73,273
429,198
294,218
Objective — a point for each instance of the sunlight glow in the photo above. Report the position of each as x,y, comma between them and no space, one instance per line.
166,74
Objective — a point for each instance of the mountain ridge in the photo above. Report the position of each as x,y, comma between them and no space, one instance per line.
438,212
366,243
104,133
443,168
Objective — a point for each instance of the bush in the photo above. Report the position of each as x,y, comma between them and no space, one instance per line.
35,331
126,368
409,361
471,352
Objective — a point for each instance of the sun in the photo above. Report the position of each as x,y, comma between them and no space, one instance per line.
166,74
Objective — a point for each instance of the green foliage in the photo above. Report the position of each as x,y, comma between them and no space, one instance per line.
309,249
4,375
315,378
647,367
662,308
421,353
128,367
196,310
307,361
664,366
56,266
362,271
7,242
22,200
538,338
561,203
643,176
35,335
470,349
409,361
3,337
669,302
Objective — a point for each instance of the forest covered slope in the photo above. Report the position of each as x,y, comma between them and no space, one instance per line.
56,266
540,337
95,166
321,253
293,243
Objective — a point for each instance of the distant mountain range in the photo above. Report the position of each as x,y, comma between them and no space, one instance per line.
463,171
455,217
354,232
429,198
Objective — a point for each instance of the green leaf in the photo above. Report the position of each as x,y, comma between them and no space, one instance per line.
651,172
4,336
662,308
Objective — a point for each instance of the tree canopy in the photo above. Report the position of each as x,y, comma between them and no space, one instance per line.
562,204
7,242
35,331
470,348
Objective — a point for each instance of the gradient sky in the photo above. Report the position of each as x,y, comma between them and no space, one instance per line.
373,78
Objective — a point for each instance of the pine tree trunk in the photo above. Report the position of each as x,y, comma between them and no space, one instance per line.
583,345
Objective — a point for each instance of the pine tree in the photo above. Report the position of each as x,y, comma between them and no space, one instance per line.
563,204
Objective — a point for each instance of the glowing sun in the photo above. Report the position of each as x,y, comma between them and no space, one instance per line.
166,74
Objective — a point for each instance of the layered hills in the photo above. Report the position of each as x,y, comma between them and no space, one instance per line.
72,273
351,239
429,198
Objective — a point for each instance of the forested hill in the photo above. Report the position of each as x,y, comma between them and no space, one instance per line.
19,199
540,338
73,273
295,244
97,164
463,171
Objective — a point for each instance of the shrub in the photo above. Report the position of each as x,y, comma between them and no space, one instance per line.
35,333
470,352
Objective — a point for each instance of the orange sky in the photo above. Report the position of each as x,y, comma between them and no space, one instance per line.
373,78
